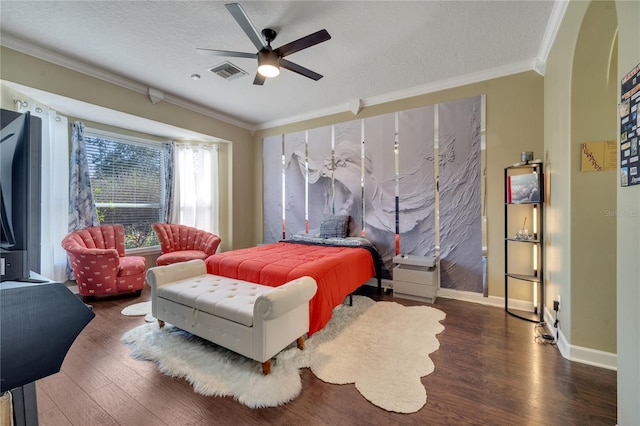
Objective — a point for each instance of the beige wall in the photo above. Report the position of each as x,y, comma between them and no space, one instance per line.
514,124
580,106
236,174
557,134
593,232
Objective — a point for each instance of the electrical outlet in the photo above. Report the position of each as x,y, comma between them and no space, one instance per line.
556,305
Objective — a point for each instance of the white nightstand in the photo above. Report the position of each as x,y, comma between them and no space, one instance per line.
416,277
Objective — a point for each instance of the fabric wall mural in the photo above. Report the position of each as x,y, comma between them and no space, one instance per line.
363,167
319,150
347,159
380,186
417,182
460,228
295,183
272,188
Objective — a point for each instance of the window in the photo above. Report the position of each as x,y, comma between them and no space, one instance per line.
127,180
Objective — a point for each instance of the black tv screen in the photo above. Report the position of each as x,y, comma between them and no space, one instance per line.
14,183
20,169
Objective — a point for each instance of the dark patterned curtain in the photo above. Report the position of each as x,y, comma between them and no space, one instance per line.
82,209
168,180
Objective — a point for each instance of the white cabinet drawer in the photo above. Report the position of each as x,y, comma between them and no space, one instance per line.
413,289
401,273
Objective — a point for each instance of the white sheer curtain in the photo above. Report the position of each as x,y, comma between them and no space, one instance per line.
195,189
54,188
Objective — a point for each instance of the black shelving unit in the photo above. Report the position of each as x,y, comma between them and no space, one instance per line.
534,271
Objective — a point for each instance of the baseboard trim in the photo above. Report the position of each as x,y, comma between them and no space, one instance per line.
594,357
580,354
498,302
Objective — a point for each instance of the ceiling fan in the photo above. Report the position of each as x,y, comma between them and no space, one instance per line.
269,60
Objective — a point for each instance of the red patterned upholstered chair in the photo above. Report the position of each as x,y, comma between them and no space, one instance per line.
99,263
180,243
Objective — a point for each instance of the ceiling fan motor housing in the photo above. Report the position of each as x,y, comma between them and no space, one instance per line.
269,35
268,56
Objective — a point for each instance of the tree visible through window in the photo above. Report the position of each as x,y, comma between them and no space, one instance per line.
127,183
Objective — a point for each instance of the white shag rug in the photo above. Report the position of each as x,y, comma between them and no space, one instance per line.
138,310
381,347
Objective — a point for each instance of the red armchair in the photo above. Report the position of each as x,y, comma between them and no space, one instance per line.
180,243
99,263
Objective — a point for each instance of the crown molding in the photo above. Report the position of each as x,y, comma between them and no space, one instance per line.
550,33
79,66
451,83
303,117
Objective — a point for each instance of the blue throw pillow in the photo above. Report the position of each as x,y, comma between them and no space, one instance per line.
334,226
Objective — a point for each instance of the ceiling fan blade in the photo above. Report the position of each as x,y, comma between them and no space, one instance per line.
303,43
215,52
245,23
299,69
259,80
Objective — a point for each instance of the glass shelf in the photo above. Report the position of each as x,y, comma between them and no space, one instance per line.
523,277
517,240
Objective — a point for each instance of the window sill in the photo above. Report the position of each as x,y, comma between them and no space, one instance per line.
143,251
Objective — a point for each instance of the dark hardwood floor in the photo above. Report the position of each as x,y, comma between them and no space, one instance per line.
489,370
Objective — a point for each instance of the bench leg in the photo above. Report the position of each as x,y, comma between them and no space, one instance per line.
301,343
161,323
266,367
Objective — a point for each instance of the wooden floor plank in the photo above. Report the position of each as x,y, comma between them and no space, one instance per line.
76,405
158,398
488,370
124,409
52,417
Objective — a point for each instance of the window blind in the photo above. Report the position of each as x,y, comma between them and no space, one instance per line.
127,185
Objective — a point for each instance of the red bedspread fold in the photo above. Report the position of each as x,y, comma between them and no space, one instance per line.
338,271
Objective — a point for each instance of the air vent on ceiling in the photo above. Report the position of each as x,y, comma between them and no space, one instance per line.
228,71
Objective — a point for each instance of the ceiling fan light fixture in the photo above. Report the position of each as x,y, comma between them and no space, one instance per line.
268,63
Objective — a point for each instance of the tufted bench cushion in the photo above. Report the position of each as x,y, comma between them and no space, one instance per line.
223,297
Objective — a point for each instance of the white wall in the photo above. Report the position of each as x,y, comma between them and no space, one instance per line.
628,266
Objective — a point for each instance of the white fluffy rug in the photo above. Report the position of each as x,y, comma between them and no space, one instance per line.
137,309
382,347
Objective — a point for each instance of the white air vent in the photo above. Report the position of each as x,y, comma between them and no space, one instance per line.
228,71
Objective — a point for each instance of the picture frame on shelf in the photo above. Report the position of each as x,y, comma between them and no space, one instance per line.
523,188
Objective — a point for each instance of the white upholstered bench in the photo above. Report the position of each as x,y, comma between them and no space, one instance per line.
253,320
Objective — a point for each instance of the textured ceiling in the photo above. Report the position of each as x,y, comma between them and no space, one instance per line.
378,49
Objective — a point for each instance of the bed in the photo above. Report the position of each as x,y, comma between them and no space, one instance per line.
339,266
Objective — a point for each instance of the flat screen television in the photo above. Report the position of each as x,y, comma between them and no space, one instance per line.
19,195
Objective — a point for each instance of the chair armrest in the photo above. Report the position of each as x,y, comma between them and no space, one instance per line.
160,275
284,298
209,243
110,255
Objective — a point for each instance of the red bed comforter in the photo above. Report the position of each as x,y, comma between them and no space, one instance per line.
338,271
